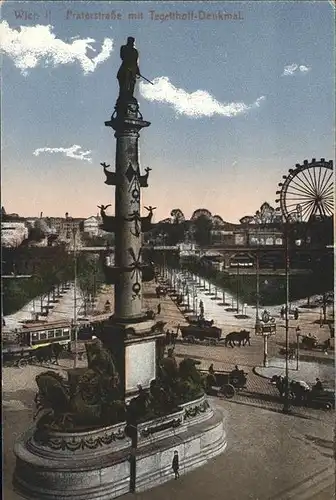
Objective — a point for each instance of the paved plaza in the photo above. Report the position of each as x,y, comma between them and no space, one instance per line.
270,456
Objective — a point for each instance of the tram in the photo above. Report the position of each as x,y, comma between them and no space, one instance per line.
35,341
35,335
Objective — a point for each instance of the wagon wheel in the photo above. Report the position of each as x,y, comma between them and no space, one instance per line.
32,360
82,356
228,390
235,381
22,362
307,191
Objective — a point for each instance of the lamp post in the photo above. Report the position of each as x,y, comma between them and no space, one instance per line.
237,287
265,335
257,321
188,298
286,408
298,333
75,297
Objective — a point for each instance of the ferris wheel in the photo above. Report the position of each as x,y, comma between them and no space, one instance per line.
307,192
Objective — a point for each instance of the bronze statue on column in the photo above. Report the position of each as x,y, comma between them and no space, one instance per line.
129,70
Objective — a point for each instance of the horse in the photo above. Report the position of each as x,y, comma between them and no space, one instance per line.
243,337
46,353
280,382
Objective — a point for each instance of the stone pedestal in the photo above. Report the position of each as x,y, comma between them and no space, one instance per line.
81,465
135,349
97,464
196,445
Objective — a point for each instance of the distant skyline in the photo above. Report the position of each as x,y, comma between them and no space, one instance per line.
242,92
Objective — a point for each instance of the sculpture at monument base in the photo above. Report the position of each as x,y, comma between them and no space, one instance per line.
174,385
90,398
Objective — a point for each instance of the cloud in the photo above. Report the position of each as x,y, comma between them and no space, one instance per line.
295,68
74,151
304,69
195,104
37,45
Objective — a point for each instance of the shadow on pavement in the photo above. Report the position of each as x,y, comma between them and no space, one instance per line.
273,410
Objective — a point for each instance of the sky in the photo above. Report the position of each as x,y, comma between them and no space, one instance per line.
235,103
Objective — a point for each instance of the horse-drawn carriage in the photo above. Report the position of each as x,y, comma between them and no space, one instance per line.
14,355
194,333
307,342
224,383
310,342
301,394
200,322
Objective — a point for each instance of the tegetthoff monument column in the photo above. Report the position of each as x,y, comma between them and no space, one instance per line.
129,333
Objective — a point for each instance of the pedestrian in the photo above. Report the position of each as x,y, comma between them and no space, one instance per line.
175,464
211,369
159,308
282,312
296,313
318,385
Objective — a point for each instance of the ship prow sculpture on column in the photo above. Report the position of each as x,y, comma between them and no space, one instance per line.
113,426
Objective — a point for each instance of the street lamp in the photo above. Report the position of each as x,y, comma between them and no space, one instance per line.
298,334
286,408
75,295
257,321
237,287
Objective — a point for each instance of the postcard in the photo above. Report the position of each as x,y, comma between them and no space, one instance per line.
167,249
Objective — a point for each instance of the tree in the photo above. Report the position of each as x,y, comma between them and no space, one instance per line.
200,212
247,219
89,278
203,225
177,216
